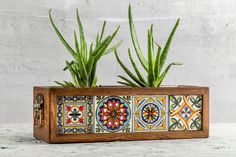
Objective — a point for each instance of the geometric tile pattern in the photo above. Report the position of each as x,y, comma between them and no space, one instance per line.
113,114
74,114
150,113
185,112
140,113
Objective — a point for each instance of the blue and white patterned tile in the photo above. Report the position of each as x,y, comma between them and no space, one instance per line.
150,113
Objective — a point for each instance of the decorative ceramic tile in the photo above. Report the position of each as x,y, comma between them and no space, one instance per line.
185,112
150,113
74,114
113,114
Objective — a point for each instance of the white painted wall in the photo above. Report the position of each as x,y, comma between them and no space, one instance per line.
31,54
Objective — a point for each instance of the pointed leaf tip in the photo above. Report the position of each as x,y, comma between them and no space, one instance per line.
177,63
129,6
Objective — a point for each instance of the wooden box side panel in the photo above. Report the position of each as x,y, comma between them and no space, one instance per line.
43,132
93,137
205,113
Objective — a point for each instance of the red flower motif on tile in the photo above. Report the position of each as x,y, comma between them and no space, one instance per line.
81,108
113,114
68,108
68,121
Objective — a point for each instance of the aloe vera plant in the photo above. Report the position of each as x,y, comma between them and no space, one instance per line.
85,56
153,65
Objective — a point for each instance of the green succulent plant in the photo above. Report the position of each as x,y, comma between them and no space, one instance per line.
153,65
85,57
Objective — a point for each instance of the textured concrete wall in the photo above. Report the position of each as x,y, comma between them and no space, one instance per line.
31,54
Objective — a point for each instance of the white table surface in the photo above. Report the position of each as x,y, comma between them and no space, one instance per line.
16,141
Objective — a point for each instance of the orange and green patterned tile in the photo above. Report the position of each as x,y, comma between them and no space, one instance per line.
185,112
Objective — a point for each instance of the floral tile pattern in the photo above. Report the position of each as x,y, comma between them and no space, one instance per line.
74,114
185,112
150,113
113,114
142,113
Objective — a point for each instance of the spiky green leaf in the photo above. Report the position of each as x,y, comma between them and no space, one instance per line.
128,81
151,76
82,68
64,42
103,29
165,72
128,71
83,45
137,48
136,68
113,48
167,45
157,61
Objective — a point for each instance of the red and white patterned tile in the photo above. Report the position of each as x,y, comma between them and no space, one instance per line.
113,114
74,114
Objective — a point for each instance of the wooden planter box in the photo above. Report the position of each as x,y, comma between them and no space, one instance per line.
64,115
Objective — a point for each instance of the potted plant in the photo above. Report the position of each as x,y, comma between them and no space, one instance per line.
141,110
85,57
